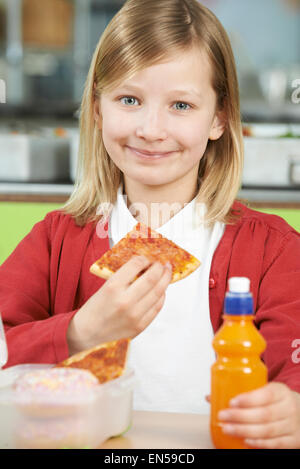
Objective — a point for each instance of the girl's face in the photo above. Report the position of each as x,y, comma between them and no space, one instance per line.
156,125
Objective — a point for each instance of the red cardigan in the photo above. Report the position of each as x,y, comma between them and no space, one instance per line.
46,279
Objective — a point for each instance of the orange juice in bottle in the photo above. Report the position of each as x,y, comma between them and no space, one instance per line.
238,367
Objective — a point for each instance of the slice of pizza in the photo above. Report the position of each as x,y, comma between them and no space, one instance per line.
144,241
106,361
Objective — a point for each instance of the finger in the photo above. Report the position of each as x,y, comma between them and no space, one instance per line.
263,414
256,431
270,393
150,286
284,442
151,314
207,398
156,292
129,271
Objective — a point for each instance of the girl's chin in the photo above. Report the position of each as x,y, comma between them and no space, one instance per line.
154,182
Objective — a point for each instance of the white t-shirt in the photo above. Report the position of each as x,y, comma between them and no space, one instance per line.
172,357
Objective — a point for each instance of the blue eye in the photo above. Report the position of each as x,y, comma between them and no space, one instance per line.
180,106
129,101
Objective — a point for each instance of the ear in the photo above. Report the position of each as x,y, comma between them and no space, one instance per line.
218,126
97,111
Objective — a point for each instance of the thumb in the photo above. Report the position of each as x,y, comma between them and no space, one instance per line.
207,398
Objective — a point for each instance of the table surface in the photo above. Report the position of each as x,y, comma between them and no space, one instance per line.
163,430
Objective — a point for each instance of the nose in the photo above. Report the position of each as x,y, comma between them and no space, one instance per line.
151,125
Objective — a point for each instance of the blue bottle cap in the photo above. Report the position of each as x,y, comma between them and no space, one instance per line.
238,300
238,304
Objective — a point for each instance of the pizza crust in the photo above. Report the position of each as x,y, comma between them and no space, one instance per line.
99,271
105,361
189,268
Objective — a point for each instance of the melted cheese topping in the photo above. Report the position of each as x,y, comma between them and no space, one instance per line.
144,241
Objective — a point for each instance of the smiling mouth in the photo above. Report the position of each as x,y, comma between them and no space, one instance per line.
150,155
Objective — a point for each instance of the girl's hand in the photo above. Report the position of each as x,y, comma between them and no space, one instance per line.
268,417
123,307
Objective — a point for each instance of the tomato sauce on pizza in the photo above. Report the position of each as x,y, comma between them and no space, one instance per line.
143,241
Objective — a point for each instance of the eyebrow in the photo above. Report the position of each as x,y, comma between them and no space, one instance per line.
186,92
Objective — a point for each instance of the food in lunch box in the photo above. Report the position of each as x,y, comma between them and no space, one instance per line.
106,361
48,390
53,408
143,241
63,433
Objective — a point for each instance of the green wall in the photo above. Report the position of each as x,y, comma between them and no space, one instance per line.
17,219
292,216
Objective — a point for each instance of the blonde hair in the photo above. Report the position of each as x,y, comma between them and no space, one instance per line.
142,33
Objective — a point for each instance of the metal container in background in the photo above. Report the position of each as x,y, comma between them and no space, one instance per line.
272,157
34,158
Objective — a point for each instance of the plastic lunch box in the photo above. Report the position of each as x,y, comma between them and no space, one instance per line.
91,421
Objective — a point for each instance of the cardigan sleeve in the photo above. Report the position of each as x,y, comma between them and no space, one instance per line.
33,334
278,312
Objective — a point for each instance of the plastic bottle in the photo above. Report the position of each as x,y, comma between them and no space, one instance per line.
238,367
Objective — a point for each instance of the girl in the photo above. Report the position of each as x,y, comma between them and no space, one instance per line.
161,143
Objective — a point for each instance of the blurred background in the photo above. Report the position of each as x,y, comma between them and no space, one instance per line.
45,51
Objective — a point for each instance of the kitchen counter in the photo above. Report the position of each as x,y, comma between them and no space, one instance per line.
163,430
260,111
59,193
35,192
280,198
